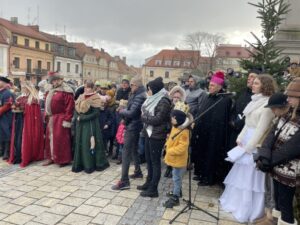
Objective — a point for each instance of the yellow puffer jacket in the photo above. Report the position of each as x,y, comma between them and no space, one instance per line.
177,149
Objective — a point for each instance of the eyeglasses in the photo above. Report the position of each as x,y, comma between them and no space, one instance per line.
132,85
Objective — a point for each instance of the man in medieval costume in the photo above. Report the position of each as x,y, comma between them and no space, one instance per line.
6,100
210,135
59,109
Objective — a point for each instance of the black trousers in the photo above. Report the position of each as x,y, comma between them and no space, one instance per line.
284,196
153,150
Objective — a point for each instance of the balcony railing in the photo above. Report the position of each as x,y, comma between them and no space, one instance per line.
40,72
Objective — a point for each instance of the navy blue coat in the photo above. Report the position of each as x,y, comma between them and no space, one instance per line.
105,118
6,118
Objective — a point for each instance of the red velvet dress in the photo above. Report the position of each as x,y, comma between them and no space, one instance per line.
33,134
58,138
32,147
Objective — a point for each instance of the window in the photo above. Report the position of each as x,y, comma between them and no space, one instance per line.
39,64
167,74
47,47
16,62
187,63
77,68
176,63
26,42
227,53
15,40
48,66
28,62
168,62
61,49
71,52
58,66
239,53
151,73
157,62
68,67
37,44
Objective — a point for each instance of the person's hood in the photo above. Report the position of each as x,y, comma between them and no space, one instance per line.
180,90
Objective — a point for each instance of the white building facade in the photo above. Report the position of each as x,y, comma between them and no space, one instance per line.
69,68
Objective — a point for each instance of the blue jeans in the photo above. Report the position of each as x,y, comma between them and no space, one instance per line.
177,180
141,150
120,146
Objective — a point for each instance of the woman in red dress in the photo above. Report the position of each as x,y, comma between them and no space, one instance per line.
32,144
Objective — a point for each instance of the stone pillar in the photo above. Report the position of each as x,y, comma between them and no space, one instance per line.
288,35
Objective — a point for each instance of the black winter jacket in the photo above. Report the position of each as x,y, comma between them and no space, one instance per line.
132,114
160,121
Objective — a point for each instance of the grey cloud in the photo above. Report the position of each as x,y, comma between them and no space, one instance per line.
135,22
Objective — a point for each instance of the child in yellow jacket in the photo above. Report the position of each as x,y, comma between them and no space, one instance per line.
177,151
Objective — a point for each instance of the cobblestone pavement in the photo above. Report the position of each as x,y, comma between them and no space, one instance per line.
54,195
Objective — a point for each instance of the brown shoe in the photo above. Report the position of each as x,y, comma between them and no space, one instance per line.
47,163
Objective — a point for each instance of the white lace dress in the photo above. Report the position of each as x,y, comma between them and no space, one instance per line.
245,185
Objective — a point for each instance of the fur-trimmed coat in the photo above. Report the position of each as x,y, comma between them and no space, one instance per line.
59,110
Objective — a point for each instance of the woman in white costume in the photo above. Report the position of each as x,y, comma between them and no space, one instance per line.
245,185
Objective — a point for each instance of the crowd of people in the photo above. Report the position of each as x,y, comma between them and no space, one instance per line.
250,144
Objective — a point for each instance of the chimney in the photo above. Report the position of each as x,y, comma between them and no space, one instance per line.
117,58
34,27
14,20
124,59
102,50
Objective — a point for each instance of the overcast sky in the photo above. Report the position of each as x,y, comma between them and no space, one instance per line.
136,29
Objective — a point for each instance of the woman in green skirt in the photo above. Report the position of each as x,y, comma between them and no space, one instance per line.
89,152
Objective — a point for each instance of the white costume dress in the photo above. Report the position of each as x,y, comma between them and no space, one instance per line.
245,185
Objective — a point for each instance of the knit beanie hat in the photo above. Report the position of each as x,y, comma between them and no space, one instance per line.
218,78
293,89
156,85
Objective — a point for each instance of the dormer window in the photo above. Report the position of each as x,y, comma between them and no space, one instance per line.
157,62
168,62
187,63
176,63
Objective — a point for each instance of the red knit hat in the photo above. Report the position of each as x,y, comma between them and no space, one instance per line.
54,76
218,78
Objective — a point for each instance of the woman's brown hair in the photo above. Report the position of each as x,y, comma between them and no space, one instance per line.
268,84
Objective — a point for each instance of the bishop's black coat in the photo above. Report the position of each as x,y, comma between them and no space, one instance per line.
210,139
237,124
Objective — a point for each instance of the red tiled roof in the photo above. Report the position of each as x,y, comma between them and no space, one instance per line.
232,51
174,55
3,36
102,54
56,39
82,49
22,30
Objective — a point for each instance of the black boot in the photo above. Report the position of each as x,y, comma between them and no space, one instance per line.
168,172
143,187
6,151
1,149
171,202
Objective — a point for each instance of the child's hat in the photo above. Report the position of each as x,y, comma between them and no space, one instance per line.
180,112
